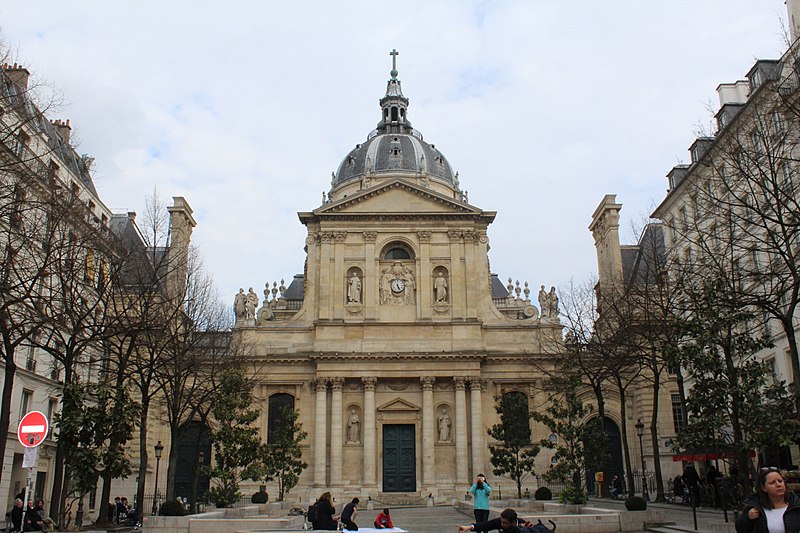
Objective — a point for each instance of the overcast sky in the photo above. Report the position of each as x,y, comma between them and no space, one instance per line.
245,108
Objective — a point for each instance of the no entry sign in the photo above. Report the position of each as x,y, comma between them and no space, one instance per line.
32,429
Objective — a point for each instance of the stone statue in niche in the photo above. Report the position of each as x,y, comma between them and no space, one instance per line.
354,289
440,289
239,304
444,426
353,428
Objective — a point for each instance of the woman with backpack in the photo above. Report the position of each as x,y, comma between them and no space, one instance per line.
322,513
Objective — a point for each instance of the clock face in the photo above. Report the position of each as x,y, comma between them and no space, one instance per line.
398,285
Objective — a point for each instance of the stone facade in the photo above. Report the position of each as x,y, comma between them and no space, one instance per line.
396,340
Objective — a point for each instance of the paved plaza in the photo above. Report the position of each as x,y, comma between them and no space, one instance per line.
445,519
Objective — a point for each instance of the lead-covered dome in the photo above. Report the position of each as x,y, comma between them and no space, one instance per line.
394,146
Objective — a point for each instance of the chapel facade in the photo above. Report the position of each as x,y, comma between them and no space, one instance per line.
396,340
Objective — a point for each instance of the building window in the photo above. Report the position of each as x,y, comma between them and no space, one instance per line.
773,370
397,252
89,271
684,219
25,402
677,413
22,144
52,407
278,403
777,123
514,406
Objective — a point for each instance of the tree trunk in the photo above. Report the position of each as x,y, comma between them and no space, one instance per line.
788,327
601,413
626,451
105,497
8,390
654,438
58,497
172,463
140,510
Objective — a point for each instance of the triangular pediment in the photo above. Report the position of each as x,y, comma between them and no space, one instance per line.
398,405
397,196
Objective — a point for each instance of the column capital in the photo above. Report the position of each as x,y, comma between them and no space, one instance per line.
460,382
369,383
455,236
319,385
340,236
427,382
424,236
478,384
370,236
337,384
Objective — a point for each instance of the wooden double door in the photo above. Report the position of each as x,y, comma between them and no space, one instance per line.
399,458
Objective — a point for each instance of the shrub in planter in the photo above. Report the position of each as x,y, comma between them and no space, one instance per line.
259,497
573,495
543,493
636,503
171,508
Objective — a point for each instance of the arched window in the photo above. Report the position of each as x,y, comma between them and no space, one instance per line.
394,113
276,414
397,252
514,413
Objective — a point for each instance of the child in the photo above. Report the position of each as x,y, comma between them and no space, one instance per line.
383,520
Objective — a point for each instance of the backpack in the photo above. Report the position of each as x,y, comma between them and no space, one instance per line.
313,514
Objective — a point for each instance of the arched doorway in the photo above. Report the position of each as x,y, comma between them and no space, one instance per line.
193,444
614,465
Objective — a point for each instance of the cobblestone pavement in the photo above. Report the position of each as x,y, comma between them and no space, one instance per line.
439,519
680,514
445,519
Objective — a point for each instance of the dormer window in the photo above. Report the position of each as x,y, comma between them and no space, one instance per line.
757,79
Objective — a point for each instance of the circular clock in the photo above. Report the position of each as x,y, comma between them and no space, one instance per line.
398,285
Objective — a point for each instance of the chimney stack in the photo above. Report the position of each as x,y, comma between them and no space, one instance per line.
18,75
793,11
63,128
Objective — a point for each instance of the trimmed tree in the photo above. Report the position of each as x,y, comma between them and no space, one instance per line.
236,441
579,441
513,456
282,457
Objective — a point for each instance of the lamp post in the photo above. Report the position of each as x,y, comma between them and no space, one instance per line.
159,449
640,431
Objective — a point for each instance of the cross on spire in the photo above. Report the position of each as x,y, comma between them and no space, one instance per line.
394,53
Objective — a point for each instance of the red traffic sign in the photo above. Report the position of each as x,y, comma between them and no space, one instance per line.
32,429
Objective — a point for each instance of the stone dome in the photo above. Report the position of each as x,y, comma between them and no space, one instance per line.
394,147
391,153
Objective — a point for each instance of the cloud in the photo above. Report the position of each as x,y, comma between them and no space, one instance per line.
543,107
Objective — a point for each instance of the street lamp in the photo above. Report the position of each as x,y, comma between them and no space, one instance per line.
640,431
159,449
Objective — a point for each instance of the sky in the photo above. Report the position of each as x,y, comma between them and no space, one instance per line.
246,107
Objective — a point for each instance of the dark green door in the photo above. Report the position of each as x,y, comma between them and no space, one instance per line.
399,458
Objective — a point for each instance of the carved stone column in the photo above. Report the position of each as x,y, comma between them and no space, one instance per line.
320,387
337,435
428,433
476,385
370,453
462,470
